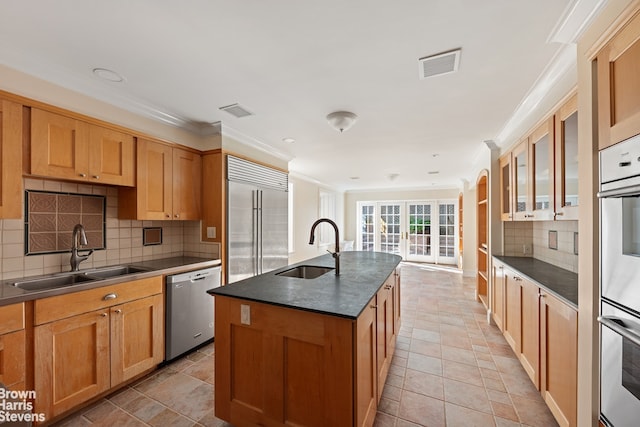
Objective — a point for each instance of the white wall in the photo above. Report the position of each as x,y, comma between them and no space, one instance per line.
306,207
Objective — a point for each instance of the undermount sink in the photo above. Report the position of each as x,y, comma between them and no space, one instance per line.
68,279
53,282
118,270
305,272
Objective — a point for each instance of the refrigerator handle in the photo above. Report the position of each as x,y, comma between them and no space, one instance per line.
256,232
260,231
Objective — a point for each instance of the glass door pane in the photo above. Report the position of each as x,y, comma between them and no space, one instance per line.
570,161
390,228
367,228
446,232
419,242
521,171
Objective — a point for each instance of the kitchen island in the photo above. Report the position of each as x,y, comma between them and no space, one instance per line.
307,352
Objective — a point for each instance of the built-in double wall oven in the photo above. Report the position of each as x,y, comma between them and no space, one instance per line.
620,284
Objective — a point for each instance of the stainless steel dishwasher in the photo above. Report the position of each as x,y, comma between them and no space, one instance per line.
189,315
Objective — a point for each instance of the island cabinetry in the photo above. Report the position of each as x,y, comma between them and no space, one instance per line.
281,366
88,342
66,148
387,300
168,184
11,159
618,86
12,346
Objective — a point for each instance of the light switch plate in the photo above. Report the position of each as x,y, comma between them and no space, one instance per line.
245,314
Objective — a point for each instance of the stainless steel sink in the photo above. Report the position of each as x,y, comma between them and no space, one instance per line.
53,282
305,272
118,270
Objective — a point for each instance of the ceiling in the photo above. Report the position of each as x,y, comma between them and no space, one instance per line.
292,62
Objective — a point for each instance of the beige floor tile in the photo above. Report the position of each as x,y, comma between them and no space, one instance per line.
421,409
458,416
467,395
423,383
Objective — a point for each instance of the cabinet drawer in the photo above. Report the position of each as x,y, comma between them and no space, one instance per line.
11,318
62,306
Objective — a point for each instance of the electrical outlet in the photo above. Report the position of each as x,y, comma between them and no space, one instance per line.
211,232
526,249
245,314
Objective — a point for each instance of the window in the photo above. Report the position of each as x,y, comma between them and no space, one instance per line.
290,235
327,209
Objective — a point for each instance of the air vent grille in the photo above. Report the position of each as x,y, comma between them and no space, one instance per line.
240,170
441,63
236,110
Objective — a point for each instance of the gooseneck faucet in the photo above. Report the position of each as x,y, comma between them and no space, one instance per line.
336,254
78,232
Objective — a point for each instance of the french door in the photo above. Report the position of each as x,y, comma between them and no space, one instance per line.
418,231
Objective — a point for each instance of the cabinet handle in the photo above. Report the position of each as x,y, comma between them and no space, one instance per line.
96,176
168,216
83,175
107,297
541,296
501,267
388,287
103,314
559,213
528,215
118,311
517,279
374,306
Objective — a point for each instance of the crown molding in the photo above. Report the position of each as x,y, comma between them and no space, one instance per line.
574,20
254,143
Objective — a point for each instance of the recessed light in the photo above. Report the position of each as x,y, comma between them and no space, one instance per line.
435,155
288,140
355,177
108,75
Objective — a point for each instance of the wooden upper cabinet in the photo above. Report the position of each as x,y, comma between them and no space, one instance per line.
522,196
168,184
543,171
619,86
566,178
506,188
10,159
67,148
187,184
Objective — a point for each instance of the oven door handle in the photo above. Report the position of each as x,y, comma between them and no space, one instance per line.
617,325
620,192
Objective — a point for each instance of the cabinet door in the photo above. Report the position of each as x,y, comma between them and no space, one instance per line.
58,146
154,186
619,86
137,343
71,361
543,169
366,372
396,304
498,296
187,184
559,354
111,157
567,160
513,309
10,159
530,347
506,185
384,334
521,181
12,360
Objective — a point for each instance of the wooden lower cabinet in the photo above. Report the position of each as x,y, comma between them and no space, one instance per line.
279,366
71,361
530,324
12,346
80,356
498,297
558,356
513,309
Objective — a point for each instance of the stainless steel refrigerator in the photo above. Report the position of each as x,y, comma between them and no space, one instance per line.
257,219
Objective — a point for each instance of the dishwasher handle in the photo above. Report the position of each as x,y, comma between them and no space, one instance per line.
193,276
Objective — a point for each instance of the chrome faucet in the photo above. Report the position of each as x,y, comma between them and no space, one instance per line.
78,231
336,254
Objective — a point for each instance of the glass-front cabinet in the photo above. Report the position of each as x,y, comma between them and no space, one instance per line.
506,205
521,195
567,160
542,152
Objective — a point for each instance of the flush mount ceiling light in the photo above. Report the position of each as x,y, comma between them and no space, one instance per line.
288,140
341,120
108,75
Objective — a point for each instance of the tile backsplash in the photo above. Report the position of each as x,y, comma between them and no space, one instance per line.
123,238
531,238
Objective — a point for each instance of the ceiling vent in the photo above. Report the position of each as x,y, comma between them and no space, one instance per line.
236,110
441,63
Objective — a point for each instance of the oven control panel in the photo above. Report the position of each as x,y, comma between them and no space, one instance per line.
620,161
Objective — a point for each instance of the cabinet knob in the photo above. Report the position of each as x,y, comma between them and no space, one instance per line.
118,311
82,175
177,215
96,176
107,297
103,314
168,216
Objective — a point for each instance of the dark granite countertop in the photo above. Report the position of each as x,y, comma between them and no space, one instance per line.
361,276
558,281
10,294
